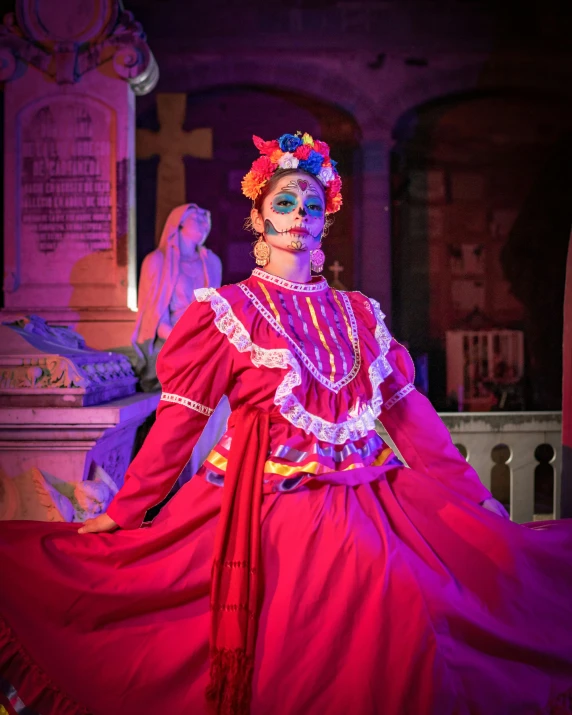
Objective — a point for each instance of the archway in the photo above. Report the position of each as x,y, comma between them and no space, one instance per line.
467,171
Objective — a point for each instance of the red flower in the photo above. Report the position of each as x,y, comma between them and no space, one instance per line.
265,147
335,186
333,204
303,152
322,148
263,167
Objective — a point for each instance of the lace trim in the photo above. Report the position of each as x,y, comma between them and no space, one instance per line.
399,395
191,404
228,324
290,285
282,358
380,367
332,386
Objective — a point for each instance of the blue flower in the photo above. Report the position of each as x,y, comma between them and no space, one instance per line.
289,142
312,164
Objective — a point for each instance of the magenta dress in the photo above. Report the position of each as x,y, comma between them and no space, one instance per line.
384,588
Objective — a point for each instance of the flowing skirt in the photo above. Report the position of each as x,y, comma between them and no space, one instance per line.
394,597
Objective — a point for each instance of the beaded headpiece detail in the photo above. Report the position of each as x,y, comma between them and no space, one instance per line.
294,151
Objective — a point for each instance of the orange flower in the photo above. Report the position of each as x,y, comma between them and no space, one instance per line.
252,185
334,204
276,155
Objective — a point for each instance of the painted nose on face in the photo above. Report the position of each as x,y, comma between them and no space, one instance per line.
302,211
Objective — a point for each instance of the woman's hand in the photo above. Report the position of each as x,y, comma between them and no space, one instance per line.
100,524
496,507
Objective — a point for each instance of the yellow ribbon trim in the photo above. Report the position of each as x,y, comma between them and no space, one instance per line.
348,328
382,458
217,460
289,470
271,303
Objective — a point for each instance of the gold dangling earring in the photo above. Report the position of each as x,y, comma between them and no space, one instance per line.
317,259
261,252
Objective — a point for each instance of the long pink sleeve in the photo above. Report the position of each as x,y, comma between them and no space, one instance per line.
194,368
419,433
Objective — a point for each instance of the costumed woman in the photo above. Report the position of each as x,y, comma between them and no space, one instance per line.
169,277
304,569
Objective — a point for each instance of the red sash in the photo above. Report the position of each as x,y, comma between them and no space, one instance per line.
235,571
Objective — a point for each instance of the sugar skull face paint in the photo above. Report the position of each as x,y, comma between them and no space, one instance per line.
294,211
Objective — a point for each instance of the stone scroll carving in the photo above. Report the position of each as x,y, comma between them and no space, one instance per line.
62,372
40,496
43,364
69,41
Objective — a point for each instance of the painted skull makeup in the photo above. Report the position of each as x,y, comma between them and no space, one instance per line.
295,209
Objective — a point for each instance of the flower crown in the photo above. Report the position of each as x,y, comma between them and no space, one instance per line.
294,151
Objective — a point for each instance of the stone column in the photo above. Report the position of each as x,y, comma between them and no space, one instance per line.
566,494
375,253
72,71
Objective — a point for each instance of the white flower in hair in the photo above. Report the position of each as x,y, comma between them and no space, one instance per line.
288,161
325,175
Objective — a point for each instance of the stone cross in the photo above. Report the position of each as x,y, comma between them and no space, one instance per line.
336,269
171,144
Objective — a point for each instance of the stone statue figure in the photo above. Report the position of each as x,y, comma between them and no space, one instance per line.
39,496
169,276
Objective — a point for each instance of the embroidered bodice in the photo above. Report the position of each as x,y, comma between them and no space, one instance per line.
315,355
317,322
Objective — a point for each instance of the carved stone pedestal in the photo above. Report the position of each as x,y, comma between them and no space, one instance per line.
50,451
43,366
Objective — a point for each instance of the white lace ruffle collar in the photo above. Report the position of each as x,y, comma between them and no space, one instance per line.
356,426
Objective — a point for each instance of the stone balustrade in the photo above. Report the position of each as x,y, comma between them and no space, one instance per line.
518,455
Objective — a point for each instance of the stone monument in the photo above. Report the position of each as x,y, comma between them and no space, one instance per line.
69,415
72,71
62,458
